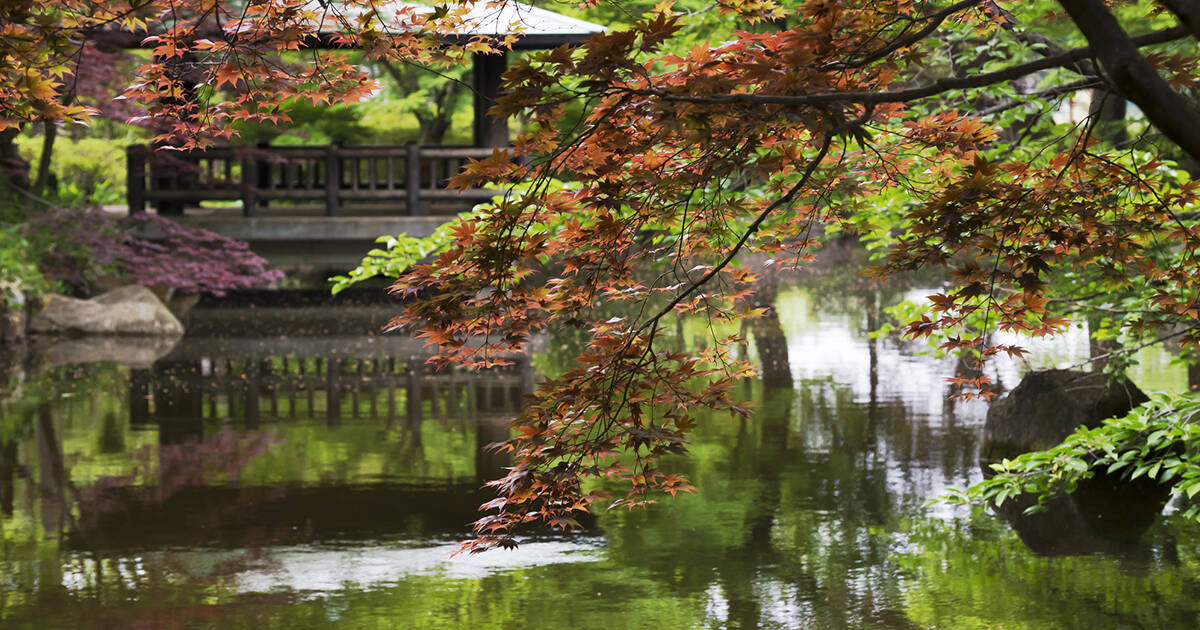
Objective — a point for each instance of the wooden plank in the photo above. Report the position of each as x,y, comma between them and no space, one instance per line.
300,152
413,185
196,196
298,194
470,193
374,151
457,152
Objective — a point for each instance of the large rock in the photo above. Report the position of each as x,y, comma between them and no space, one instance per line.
131,310
1105,513
1048,406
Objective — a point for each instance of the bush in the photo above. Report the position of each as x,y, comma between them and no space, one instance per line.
89,250
20,279
89,170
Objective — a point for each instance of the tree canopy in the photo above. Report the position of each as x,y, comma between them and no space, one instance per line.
944,134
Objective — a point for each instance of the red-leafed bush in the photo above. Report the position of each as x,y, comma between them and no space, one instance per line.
89,248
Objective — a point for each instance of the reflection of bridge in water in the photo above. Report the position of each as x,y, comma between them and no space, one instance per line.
223,406
339,378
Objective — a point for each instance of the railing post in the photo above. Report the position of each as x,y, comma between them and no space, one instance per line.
263,174
333,181
413,185
135,178
249,183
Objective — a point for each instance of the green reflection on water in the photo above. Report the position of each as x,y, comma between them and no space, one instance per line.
811,514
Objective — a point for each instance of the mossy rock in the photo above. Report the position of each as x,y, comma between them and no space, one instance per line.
1105,513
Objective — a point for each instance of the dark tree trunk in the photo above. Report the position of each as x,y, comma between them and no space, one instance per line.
13,169
1188,12
1134,76
43,170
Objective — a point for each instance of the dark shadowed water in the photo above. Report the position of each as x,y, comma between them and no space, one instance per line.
292,470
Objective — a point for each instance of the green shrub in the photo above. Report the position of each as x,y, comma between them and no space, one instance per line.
20,279
90,171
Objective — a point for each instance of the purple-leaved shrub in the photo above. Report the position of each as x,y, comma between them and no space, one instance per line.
79,246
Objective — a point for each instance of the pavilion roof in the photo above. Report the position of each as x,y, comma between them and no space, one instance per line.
537,27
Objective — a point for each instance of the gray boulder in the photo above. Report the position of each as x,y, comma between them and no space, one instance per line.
1047,406
130,310
1106,513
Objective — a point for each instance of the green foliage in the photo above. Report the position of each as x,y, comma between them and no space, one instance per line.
20,279
90,171
393,116
1159,440
397,254
310,124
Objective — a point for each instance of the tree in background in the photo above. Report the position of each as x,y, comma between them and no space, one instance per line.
431,97
935,131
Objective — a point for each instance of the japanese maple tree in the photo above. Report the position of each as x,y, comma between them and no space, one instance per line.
928,128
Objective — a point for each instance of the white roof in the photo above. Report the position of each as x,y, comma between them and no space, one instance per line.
512,17
494,18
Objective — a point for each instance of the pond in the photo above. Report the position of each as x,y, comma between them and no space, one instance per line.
287,468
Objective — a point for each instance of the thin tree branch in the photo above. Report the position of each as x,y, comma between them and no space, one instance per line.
749,231
902,96
935,20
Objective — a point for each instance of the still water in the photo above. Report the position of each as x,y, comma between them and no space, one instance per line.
270,472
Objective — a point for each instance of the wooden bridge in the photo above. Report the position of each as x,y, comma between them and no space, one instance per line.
306,206
331,181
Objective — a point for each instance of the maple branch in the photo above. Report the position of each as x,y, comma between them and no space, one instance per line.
1056,91
788,197
902,96
935,20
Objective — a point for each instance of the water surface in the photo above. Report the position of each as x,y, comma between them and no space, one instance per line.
269,471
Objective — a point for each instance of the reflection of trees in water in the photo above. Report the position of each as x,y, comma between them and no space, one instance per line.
787,513
789,506
769,340
792,502
240,444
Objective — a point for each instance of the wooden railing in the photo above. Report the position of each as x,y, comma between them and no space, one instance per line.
254,388
333,176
